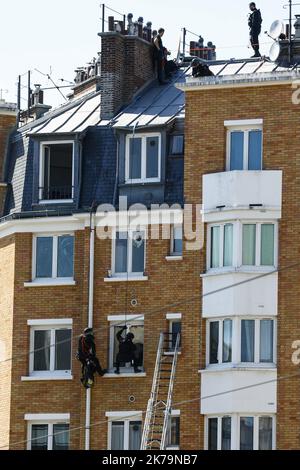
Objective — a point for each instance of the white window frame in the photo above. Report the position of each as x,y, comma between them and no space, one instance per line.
53,326
237,255
143,178
235,428
50,420
122,416
236,342
42,169
119,320
129,252
55,237
174,414
246,128
172,239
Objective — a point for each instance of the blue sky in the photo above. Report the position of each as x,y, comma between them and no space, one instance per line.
62,34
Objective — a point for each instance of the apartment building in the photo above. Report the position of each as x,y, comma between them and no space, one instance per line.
228,143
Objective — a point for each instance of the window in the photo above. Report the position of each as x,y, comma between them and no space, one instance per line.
255,336
50,348
56,171
51,435
176,240
143,158
220,341
53,256
177,144
221,246
133,326
257,245
175,328
125,434
173,434
129,253
240,432
257,341
244,148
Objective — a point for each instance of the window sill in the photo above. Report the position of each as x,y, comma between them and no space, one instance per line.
241,269
50,283
112,375
238,367
34,378
171,353
170,448
56,201
174,258
125,279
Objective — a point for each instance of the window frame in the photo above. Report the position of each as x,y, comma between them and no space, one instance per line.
236,351
246,129
50,423
127,418
171,137
55,237
52,372
235,433
237,255
129,273
130,321
172,240
143,137
175,414
43,145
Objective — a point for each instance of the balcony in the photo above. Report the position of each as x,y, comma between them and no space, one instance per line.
249,390
55,193
238,194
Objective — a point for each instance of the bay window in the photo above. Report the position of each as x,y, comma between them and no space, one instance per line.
143,158
221,252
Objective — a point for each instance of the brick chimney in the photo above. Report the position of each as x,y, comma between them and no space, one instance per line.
8,113
126,65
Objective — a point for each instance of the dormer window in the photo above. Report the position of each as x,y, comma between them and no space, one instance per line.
56,171
143,158
177,144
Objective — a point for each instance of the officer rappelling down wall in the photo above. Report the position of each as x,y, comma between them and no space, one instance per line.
86,354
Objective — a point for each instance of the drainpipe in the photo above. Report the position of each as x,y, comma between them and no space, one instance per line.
90,322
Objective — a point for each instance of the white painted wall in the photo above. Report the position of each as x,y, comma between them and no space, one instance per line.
257,297
258,399
238,189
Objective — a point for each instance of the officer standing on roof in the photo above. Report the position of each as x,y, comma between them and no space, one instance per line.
254,23
159,56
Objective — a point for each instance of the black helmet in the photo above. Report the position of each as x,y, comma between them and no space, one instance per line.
88,331
130,336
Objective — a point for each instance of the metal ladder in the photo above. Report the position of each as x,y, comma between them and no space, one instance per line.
160,402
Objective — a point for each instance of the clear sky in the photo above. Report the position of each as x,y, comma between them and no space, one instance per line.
62,34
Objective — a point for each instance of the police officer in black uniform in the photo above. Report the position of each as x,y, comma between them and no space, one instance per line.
127,351
254,22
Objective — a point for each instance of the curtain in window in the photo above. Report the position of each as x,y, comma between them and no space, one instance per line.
236,150
135,158
249,243
227,340
177,233
214,342
121,253
138,252
228,244
255,150
117,435
215,247
44,253
265,433
39,437
213,434
65,256
63,349
246,433
247,341
266,341
135,435
61,436
267,245
42,340
152,149
226,433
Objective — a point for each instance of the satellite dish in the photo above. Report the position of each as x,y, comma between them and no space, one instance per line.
276,29
274,51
